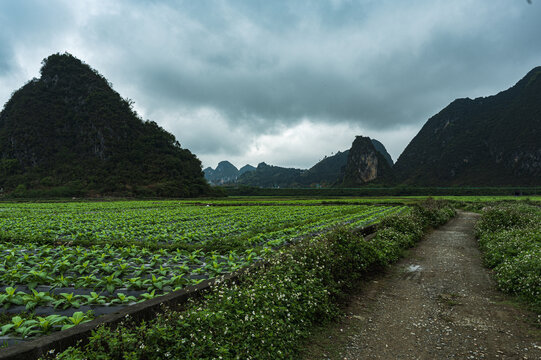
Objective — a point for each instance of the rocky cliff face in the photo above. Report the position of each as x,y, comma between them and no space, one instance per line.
365,164
489,141
383,151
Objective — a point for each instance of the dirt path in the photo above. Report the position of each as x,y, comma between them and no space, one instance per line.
437,303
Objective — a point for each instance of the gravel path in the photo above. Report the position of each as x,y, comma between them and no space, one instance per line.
437,303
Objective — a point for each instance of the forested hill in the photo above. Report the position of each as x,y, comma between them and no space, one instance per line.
490,141
70,133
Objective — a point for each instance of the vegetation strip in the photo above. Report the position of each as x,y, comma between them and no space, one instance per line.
269,310
510,239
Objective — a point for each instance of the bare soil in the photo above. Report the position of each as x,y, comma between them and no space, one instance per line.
439,302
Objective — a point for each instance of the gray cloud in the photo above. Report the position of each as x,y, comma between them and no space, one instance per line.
6,60
222,75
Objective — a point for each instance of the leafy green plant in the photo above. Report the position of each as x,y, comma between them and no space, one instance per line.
179,281
123,299
46,324
36,298
82,268
11,297
109,283
86,281
135,283
34,277
121,270
77,318
16,322
156,282
62,281
148,296
67,301
94,299
20,326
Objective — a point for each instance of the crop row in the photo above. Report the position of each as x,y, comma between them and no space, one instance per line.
57,260
270,310
164,223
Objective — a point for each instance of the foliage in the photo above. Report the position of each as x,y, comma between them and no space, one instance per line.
33,326
488,141
70,134
372,190
265,313
506,217
510,238
269,176
172,225
65,256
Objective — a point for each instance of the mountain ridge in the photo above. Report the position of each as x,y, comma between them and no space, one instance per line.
490,140
325,173
225,173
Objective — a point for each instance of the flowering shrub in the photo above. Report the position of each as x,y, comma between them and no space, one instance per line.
265,313
510,239
507,216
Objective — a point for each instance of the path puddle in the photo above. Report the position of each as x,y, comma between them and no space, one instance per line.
414,268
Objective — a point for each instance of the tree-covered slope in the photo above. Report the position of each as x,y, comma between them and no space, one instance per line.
326,172
70,131
483,142
269,176
383,151
246,168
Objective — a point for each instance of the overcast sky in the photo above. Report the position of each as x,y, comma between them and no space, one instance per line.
285,82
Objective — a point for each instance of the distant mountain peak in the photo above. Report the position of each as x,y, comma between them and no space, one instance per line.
226,173
246,168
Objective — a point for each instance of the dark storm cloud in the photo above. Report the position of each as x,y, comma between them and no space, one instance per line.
223,75
282,62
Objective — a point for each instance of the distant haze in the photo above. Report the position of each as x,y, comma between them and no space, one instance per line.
285,82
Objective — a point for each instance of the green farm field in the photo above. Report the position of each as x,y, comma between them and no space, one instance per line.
65,263
397,200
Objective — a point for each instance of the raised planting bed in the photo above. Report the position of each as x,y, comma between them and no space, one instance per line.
90,259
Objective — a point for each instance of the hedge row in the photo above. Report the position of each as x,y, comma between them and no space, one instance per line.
510,239
266,313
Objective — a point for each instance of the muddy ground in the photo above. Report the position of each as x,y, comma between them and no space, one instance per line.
439,302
